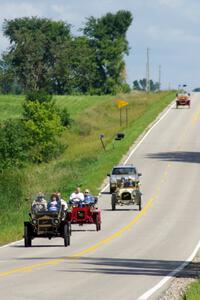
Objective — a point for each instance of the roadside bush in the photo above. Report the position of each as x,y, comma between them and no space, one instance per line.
43,125
40,96
126,88
66,121
14,144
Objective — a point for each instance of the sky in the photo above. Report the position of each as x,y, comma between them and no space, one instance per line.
169,28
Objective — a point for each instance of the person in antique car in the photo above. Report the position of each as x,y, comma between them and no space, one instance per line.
54,204
77,195
129,183
39,204
88,198
63,202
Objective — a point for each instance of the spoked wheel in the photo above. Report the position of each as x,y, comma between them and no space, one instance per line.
112,190
97,222
27,236
70,228
113,201
66,235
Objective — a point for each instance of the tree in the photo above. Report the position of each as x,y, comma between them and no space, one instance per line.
84,65
8,80
44,56
31,52
42,124
35,137
107,37
141,85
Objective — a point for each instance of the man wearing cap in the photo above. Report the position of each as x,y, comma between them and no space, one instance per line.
88,198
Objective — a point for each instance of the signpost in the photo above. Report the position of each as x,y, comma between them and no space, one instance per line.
122,104
102,142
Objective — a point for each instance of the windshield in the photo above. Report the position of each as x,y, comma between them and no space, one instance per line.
124,171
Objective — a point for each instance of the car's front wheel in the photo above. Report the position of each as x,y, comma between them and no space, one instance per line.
27,236
112,190
66,235
113,201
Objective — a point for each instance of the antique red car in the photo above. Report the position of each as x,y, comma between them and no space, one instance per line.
82,213
182,99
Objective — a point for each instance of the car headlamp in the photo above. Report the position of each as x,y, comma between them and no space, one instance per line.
34,222
56,221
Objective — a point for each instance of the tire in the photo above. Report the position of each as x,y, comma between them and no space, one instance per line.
70,228
112,190
113,201
98,224
27,237
66,235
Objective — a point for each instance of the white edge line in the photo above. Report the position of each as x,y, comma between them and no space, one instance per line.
125,162
11,244
154,289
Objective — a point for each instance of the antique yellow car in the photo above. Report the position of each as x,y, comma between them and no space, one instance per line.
127,193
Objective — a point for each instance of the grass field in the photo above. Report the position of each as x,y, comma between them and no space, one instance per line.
193,291
84,162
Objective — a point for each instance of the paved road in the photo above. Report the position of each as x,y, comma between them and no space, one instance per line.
134,251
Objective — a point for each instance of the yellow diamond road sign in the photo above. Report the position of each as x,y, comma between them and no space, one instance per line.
121,103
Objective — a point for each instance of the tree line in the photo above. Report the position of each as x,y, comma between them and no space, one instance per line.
141,85
44,55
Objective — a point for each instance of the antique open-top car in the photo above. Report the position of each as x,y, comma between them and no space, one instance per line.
127,193
82,212
183,99
46,224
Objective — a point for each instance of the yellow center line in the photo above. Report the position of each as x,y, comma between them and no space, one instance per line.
196,116
87,250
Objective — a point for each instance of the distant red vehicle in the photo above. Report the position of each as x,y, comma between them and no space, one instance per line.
85,214
182,99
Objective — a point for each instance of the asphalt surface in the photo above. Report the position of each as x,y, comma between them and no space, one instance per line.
134,250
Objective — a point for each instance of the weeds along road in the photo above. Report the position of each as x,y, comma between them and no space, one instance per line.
134,250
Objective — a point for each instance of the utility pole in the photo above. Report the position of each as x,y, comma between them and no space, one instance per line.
147,73
159,76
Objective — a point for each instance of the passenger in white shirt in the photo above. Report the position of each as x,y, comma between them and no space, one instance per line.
77,195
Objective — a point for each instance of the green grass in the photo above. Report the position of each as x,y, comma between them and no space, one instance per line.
193,291
10,106
84,162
